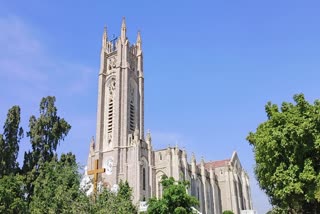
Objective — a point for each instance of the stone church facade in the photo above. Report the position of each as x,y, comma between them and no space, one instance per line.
126,153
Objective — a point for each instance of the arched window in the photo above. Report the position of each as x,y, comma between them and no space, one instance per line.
109,109
144,179
110,115
160,156
198,193
132,118
132,107
159,189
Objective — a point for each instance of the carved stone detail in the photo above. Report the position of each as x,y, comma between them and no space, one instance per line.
132,62
109,138
112,63
112,87
132,92
110,96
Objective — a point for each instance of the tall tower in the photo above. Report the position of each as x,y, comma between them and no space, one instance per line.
120,120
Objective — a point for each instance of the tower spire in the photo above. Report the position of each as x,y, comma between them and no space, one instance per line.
138,42
139,37
104,37
123,29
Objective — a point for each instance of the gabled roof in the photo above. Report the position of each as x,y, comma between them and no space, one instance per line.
216,164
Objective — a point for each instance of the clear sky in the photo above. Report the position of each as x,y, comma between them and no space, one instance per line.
210,67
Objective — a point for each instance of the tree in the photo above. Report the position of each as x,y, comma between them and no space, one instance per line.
277,210
47,184
287,155
124,199
9,142
57,186
175,199
227,212
45,134
107,201
12,195
11,184
116,202
2,157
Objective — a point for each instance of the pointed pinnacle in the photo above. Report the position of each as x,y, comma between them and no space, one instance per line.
139,37
193,158
202,160
123,25
105,30
123,29
104,36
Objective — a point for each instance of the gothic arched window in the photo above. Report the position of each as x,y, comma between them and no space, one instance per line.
132,119
110,115
133,106
109,108
159,189
198,193
144,179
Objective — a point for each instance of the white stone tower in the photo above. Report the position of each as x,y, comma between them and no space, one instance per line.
121,148
119,140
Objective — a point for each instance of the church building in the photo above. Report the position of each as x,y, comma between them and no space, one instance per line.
126,153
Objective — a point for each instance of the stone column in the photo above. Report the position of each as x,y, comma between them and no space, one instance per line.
204,181
148,141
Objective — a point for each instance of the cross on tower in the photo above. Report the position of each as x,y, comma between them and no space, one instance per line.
95,172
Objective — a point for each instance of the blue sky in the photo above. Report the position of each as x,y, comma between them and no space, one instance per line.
210,67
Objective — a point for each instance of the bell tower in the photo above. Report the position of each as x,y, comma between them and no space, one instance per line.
120,93
120,112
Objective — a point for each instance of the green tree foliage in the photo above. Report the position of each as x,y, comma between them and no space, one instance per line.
175,199
57,186
45,134
47,184
12,195
120,202
124,199
2,157
107,202
277,210
9,142
287,154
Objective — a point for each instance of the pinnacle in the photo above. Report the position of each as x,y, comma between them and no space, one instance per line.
139,37
123,25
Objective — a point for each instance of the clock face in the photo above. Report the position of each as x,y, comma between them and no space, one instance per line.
109,165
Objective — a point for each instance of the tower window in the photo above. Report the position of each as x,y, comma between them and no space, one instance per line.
132,118
160,156
144,179
198,193
110,115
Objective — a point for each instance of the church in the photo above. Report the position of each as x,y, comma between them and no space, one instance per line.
125,152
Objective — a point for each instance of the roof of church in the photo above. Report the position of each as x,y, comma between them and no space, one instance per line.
216,164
